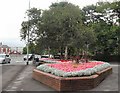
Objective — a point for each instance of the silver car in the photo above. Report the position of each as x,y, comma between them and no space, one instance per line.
4,58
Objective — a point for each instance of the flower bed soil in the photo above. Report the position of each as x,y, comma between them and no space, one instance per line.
71,83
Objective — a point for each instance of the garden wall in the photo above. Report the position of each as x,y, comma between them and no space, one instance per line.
71,83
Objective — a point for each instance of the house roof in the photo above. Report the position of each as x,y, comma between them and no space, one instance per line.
4,46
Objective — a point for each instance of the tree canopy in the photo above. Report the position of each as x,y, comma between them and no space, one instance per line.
66,26
104,19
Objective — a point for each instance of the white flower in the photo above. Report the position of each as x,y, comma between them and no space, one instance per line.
57,72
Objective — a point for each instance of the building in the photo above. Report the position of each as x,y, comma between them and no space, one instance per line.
4,49
16,50
10,50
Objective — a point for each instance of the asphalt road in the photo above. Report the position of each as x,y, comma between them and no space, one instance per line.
17,60
9,71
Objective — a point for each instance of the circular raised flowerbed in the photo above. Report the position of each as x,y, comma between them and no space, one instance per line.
71,76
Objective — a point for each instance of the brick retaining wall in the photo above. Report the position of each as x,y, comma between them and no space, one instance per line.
71,83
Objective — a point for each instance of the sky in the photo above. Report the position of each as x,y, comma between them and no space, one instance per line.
13,13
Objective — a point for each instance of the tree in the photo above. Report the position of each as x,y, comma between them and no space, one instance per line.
34,15
103,18
24,50
106,11
32,49
62,27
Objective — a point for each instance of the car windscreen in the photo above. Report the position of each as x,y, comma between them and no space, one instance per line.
2,56
28,56
44,56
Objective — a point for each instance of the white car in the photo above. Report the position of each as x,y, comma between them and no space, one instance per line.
47,56
30,57
4,58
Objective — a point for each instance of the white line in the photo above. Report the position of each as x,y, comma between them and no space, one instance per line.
17,81
20,61
20,78
9,90
13,87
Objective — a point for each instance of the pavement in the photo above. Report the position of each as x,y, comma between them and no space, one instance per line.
25,82
9,73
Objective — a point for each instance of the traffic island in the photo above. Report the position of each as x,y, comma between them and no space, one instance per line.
71,83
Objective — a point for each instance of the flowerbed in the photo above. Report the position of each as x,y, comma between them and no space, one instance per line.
50,60
73,70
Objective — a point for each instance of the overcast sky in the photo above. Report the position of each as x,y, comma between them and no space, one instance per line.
13,13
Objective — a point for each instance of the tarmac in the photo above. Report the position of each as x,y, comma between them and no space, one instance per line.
24,82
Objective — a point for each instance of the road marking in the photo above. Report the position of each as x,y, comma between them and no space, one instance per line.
20,61
20,78
9,90
17,81
21,89
16,84
13,87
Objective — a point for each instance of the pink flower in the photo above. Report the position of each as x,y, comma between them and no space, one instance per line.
70,67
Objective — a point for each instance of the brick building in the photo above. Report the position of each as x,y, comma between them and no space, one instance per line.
4,49
16,50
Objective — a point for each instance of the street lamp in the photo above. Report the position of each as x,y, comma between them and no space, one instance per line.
28,39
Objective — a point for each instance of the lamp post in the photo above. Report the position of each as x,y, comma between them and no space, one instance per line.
28,39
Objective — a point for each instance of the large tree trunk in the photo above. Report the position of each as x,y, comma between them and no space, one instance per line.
66,52
49,51
61,53
77,56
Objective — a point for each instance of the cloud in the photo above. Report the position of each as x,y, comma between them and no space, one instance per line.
13,42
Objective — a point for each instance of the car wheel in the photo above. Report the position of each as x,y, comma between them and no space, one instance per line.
3,62
24,59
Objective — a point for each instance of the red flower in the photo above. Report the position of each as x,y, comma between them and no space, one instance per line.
69,67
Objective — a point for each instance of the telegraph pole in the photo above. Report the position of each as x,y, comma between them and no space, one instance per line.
28,39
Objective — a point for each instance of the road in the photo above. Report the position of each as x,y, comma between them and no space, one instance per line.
17,60
9,71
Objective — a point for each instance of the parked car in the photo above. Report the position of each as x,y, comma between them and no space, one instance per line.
36,60
30,57
47,56
4,58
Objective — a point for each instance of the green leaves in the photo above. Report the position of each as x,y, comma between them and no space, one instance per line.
65,24
103,18
32,24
